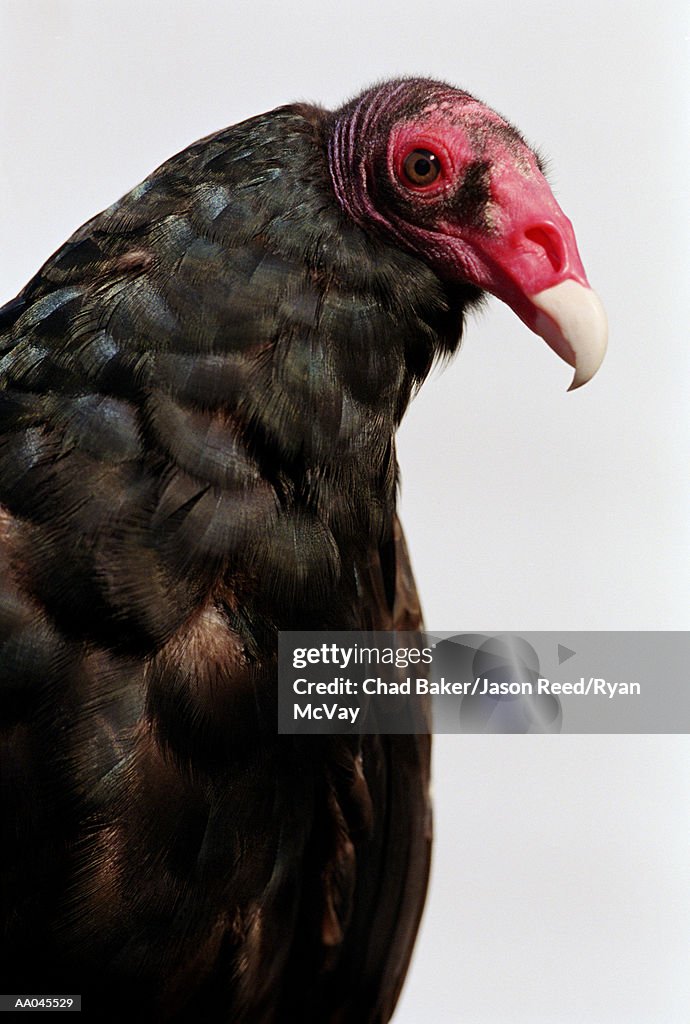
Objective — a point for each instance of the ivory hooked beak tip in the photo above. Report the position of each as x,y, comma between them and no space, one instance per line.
572,321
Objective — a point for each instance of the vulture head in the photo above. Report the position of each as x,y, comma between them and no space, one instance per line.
451,181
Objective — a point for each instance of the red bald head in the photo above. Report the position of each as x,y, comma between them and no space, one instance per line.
453,182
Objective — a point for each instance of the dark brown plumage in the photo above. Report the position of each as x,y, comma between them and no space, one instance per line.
199,394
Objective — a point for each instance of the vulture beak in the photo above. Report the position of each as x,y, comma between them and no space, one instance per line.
528,257
572,321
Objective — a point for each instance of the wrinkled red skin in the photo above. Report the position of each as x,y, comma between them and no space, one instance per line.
529,245
488,220
522,243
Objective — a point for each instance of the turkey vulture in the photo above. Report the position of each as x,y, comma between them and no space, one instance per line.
199,394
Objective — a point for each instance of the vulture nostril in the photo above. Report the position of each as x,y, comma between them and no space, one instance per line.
549,242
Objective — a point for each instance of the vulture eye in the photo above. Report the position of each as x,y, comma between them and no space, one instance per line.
421,167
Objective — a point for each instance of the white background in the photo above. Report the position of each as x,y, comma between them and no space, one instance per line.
561,885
